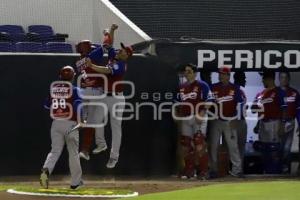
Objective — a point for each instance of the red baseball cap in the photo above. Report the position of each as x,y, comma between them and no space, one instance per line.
128,49
225,70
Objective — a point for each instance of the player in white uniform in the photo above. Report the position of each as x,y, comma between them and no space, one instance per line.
63,103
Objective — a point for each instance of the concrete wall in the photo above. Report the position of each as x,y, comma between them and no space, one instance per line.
81,19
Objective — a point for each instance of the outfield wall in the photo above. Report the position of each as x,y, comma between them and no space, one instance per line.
149,145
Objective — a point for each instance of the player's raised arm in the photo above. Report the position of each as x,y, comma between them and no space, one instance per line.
98,68
109,35
112,32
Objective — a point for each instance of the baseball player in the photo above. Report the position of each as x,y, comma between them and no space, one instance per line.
115,101
292,112
271,100
228,97
63,104
94,86
241,124
193,129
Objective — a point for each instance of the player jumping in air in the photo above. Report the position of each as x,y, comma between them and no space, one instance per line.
114,99
63,103
93,86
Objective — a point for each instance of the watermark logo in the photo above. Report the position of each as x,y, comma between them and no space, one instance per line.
96,105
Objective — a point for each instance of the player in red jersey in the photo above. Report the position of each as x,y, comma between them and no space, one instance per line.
114,99
271,100
193,128
63,103
228,98
270,106
292,115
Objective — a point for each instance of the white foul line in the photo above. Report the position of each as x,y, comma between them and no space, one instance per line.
12,191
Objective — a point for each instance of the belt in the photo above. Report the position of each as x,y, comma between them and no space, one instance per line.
94,87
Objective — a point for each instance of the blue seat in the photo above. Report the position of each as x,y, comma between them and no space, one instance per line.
33,47
14,33
12,29
45,33
7,47
41,29
59,47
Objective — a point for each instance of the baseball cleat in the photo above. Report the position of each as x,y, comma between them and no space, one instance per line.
111,163
237,175
44,178
76,187
212,175
84,155
99,149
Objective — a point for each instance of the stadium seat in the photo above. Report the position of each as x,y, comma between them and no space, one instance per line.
7,47
12,29
45,33
33,47
5,37
13,33
59,47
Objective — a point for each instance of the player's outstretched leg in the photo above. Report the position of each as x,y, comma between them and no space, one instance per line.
57,143
116,129
87,140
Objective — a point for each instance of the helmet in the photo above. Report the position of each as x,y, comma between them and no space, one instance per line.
67,73
128,49
84,47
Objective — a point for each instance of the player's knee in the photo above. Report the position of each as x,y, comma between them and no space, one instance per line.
186,143
200,143
56,151
199,139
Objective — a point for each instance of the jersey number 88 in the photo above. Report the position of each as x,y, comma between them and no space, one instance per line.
58,103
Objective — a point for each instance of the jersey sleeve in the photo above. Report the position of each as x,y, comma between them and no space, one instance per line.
281,97
47,103
206,92
117,68
76,98
111,53
212,89
96,55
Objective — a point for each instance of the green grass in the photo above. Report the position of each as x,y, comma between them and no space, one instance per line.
4,187
281,190
66,191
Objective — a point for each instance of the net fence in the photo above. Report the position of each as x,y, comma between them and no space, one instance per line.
215,19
